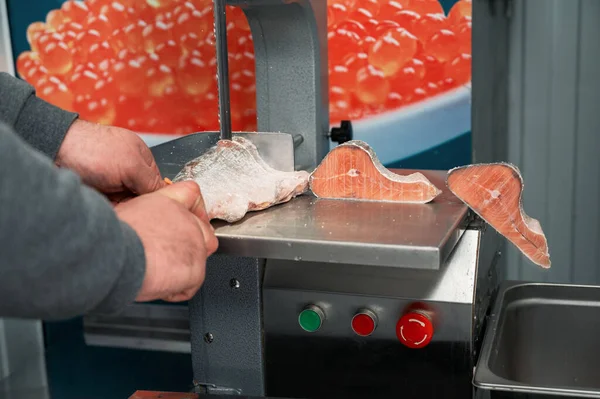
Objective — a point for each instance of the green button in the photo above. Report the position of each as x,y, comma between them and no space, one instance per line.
310,320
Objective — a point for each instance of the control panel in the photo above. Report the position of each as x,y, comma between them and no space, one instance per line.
349,343
367,331
414,327
365,304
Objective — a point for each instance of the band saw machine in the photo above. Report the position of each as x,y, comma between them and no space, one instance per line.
316,298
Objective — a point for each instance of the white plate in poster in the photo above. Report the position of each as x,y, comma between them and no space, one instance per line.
409,131
400,134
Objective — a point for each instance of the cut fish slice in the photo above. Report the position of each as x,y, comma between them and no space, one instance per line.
494,192
235,180
353,171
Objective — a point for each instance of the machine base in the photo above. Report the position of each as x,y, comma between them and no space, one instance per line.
340,371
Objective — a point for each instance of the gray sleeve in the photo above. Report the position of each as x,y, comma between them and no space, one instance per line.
63,251
42,125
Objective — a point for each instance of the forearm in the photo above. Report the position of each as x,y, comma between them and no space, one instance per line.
63,251
42,125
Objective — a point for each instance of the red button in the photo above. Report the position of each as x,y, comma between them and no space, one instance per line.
414,330
364,323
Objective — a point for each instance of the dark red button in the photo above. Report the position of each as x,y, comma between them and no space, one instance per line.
364,323
414,330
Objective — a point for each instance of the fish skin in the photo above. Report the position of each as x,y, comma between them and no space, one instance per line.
352,171
235,180
485,187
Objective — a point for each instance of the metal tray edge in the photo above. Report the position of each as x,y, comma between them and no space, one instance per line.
485,379
263,249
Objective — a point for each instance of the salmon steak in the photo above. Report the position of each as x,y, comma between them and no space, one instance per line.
494,192
353,171
235,180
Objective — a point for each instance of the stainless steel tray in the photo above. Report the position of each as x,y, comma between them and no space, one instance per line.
542,339
336,231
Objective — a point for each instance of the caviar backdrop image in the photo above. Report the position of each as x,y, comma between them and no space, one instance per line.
400,70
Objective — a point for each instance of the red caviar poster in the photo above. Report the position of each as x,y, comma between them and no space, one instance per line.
400,70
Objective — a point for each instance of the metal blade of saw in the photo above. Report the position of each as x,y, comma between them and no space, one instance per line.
276,148
220,27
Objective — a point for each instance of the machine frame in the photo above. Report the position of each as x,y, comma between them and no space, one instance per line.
244,340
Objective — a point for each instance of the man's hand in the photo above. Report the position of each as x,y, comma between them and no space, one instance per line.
112,160
177,238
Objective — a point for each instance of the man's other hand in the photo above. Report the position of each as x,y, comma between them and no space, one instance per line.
177,238
112,160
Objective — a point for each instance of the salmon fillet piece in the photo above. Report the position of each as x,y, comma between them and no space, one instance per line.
353,171
235,180
494,192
